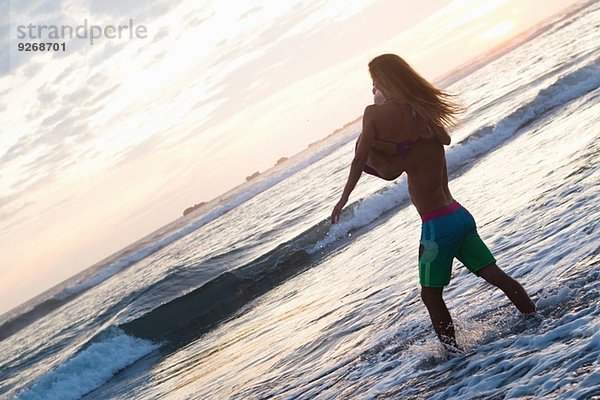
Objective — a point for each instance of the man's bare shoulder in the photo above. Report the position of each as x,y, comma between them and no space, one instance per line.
391,109
370,109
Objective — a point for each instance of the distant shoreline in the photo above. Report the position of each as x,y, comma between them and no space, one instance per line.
280,161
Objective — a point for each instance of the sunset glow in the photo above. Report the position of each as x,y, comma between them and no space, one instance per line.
106,143
502,29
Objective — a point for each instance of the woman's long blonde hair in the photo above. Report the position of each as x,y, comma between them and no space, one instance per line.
399,80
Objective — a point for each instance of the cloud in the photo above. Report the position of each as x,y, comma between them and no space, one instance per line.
162,33
80,102
4,31
210,118
108,50
160,56
54,118
103,94
72,126
32,69
12,59
165,6
5,42
97,79
315,47
12,214
261,38
140,150
251,11
79,96
45,95
7,199
23,13
66,72
197,18
35,174
52,136
55,159
17,150
28,7
74,47
123,10
238,87
46,7
5,7
48,165
5,59
54,153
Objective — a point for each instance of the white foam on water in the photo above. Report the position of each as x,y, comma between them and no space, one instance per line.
262,184
549,298
88,369
566,88
364,212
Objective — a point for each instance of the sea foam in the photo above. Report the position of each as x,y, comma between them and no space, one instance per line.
89,369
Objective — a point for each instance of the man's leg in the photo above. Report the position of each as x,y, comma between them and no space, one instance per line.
438,312
509,286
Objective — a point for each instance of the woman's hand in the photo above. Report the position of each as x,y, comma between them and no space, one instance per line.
335,215
378,97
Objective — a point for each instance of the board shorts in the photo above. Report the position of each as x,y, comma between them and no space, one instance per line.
447,233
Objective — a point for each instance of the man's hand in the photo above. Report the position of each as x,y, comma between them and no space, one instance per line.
335,215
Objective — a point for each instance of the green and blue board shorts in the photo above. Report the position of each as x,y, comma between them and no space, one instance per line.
446,233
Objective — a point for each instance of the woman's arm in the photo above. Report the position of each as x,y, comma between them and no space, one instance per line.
359,161
442,135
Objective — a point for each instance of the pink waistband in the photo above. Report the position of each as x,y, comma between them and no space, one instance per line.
440,212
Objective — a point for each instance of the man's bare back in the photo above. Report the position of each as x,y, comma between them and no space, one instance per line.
425,167
424,163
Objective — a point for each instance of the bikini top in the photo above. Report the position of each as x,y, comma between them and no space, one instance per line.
403,146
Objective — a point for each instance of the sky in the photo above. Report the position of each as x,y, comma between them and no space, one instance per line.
105,142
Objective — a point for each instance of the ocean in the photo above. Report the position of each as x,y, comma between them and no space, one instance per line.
256,295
